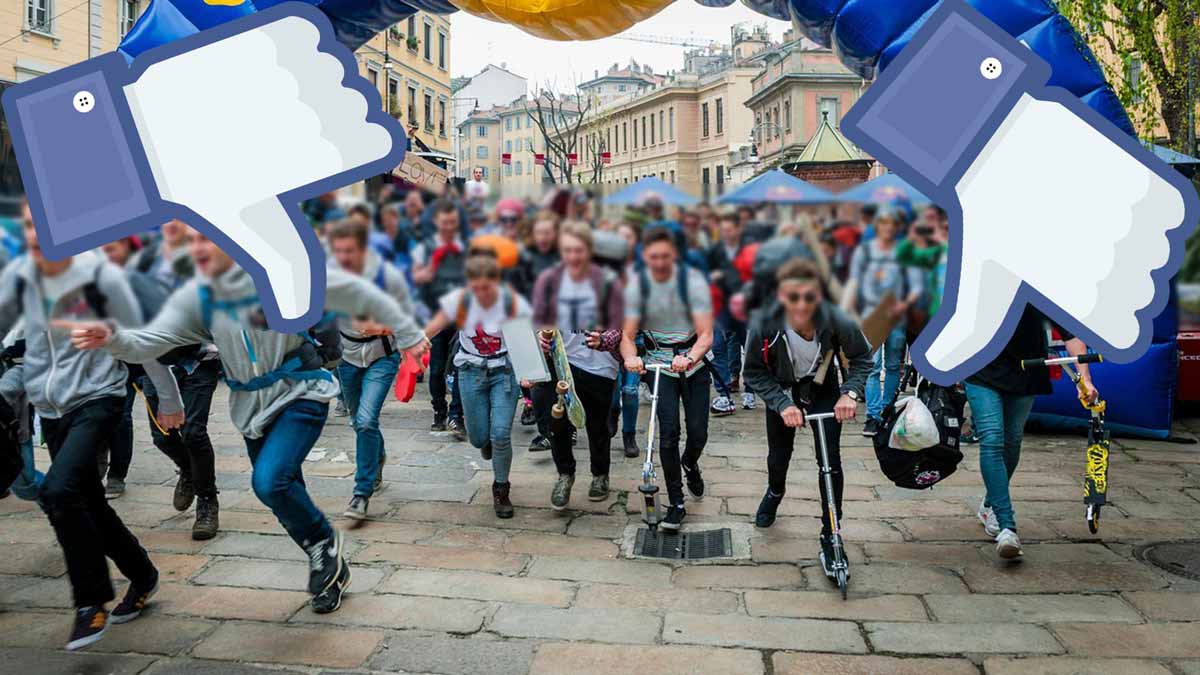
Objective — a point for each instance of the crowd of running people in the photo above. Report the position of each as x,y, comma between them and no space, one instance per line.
747,308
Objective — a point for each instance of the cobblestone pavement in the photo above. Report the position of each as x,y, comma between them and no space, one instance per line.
441,586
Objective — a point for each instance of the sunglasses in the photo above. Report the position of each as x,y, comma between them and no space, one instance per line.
809,298
508,220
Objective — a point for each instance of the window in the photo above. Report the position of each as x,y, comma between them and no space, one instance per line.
442,118
828,107
620,87
486,173
428,112
662,127
127,13
720,116
517,122
508,169
508,146
777,122
373,76
481,131
1134,77
720,179
508,124
704,122
412,33
652,134
520,168
635,129
412,104
671,116
481,152
441,50
39,15
393,99
625,135
672,176
787,115
644,143
428,42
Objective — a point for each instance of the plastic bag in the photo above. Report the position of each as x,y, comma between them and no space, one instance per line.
915,427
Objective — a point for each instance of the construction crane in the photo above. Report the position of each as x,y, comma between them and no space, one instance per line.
668,40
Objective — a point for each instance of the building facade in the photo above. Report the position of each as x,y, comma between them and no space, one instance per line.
491,87
620,82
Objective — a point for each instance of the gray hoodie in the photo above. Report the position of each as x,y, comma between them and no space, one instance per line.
248,351
58,377
391,281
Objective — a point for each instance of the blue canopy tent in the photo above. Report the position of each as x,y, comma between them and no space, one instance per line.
886,189
650,188
778,187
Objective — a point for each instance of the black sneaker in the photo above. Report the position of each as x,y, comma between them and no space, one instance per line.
357,509
598,492
827,558
439,423
631,446
455,427
871,427
766,509
695,482
674,518
560,496
114,488
134,602
528,415
185,492
325,563
500,501
539,444
208,519
330,599
486,451
88,628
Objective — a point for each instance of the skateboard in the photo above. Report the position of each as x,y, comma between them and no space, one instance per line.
568,400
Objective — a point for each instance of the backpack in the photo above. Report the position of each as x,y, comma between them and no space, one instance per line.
150,292
380,282
927,467
11,463
681,282
508,298
449,275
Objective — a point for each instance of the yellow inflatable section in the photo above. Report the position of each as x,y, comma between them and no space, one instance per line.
566,19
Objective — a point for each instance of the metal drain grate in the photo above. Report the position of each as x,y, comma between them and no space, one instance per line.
684,545
1181,558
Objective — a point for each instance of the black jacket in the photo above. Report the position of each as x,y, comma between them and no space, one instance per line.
768,364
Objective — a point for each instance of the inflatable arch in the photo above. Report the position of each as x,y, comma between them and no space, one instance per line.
865,34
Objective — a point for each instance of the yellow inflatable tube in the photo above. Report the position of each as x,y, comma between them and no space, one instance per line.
566,19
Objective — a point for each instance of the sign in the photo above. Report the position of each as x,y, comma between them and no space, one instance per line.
539,159
422,173
573,158
506,158
606,157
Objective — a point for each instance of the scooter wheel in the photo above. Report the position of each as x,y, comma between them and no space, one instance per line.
1093,520
843,582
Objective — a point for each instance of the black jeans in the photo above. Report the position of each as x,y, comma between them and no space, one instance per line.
693,392
120,445
190,447
72,496
441,352
596,395
780,440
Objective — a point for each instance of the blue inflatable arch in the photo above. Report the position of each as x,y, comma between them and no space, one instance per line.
866,35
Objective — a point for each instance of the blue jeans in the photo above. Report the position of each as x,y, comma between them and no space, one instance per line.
720,363
889,358
29,481
1000,423
365,390
277,459
489,400
629,400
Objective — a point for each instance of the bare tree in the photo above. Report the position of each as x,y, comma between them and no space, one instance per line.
559,118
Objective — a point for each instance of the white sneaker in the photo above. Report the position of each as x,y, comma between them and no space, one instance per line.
1008,545
748,401
721,406
988,518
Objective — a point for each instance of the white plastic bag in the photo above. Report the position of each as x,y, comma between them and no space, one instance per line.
915,428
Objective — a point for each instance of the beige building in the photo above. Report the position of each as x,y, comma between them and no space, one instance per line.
480,142
409,64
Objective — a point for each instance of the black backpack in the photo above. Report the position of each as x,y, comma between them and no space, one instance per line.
924,468
10,447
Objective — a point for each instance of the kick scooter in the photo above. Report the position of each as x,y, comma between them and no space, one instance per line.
841,567
649,486
1095,478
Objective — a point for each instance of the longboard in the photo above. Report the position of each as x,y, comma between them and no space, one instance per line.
566,395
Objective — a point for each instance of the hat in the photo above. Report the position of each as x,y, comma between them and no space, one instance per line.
509,207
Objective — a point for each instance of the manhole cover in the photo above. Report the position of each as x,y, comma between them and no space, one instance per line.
1181,557
684,545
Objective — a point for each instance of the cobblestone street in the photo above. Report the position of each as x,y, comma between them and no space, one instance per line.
441,586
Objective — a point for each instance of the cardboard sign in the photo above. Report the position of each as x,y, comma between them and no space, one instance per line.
524,353
422,173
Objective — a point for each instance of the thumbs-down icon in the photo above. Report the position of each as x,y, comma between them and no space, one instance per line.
1050,204
228,130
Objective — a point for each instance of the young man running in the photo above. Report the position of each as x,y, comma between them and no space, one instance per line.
280,394
80,397
792,352
369,359
668,309
584,301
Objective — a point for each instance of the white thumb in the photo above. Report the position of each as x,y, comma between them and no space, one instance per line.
985,292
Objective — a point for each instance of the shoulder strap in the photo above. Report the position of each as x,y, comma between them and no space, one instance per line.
20,296
380,279
460,314
681,279
509,298
605,289
94,296
643,292
205,305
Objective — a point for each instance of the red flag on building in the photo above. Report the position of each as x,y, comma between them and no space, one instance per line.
573,158
606,157
506,158
539,159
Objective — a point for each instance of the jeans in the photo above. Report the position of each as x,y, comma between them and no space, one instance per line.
735,341
190,447
441,351
29,481
277,459
692,392
489,402
120,447
999,420
780,444
889,358
629,400
365,391
87,528
596,395
719,365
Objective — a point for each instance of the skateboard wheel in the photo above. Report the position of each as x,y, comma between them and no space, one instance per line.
563,387
558,411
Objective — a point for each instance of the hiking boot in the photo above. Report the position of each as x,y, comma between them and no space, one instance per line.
988,518
185,492
748,401
208,519
500,501
722,406
330,599
870,428
455,427
539,444
1008,545
631,446
114,488
88,628
134,602
439,424
827,558
528,415
674,518
695,482
357,509
598,492
560,496
767,508
486,451
325,563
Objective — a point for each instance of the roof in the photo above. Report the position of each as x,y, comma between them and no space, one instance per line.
828,145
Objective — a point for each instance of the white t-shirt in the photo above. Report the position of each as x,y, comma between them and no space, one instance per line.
804,353
480,340
578,311
477,189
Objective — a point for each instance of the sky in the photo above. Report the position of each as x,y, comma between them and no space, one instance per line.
476,42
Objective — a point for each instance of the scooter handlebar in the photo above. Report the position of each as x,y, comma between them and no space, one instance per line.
1082,358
